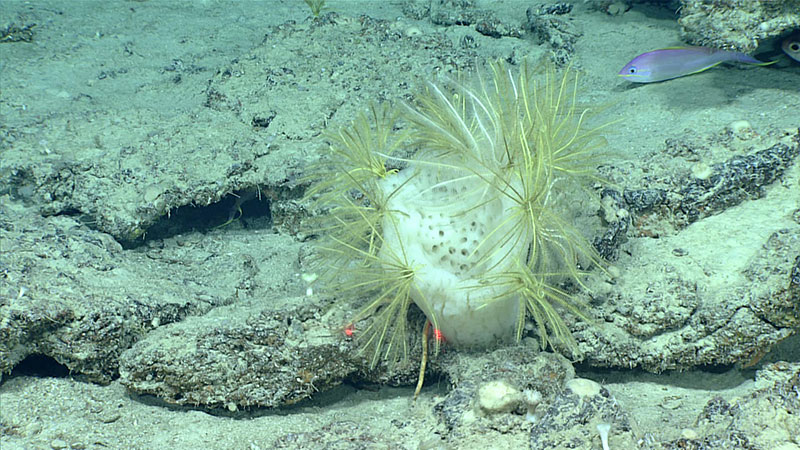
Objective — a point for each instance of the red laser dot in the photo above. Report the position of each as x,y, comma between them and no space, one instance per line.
348,331
437,334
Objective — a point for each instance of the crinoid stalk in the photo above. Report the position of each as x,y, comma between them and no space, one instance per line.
475,228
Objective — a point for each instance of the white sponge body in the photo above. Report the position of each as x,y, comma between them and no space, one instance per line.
451,229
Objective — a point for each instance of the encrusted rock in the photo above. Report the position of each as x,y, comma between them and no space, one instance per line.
737,24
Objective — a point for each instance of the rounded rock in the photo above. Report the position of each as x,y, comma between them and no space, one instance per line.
498,397
741,129
583,387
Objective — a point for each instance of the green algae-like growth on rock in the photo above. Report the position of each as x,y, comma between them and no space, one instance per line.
475,227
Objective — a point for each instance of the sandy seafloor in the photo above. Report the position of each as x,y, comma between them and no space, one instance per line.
75,40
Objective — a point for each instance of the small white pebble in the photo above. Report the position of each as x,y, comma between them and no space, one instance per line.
741,129
309,277
701,171
413,31
617,8
58,444
583,387
497,397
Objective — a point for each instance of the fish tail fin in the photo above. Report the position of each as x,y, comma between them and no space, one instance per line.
767,63
747,59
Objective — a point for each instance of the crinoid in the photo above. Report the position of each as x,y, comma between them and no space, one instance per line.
475,228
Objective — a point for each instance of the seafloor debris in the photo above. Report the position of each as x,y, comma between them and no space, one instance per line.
17,33
727,184
738,179
736,24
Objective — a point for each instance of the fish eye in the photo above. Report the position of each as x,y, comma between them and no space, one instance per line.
794,46
632,70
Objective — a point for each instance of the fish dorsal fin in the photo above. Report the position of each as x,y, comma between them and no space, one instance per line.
690,47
